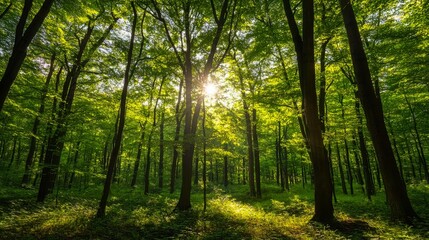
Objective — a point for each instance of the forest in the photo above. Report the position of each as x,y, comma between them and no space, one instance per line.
214,119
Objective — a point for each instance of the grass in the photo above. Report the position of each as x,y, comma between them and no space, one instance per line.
231,214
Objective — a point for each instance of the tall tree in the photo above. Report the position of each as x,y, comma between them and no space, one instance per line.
396,192
304,47
101,211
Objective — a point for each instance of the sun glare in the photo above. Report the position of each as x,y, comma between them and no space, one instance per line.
210,89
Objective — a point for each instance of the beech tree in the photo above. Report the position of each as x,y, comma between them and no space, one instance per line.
396,192
304,47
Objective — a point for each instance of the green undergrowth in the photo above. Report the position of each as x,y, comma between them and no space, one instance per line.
230,214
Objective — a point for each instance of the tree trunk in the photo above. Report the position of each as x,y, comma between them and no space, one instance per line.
149,143
346,146
203,126
101,211
73,174
161,152
23,39
29,162
324,212
395,147
256,155
410,157
250,152
340,167
139,154
178,117
225,167
358,163
279,156
277,162
419,142
148,160
244,171
196,174
396,193
285,166
367,172
331,170
12,157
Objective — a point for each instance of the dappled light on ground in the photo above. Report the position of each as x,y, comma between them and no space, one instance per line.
229,216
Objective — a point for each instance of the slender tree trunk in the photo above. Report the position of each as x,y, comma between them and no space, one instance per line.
178,117
279,156
148,161
396,193
419,141
225,171
256,155
23,38
73,174
285,166
395,147
250,151
101,211
346,146
139,154
244,171
277,162
367,172
358,163
12,157
349,166
331,170
29,162
340,167
196,174
161,152
410,157
203,126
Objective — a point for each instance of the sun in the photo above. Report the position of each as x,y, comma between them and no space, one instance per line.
210,89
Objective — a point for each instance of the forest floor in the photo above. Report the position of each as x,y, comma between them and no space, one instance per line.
230,214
